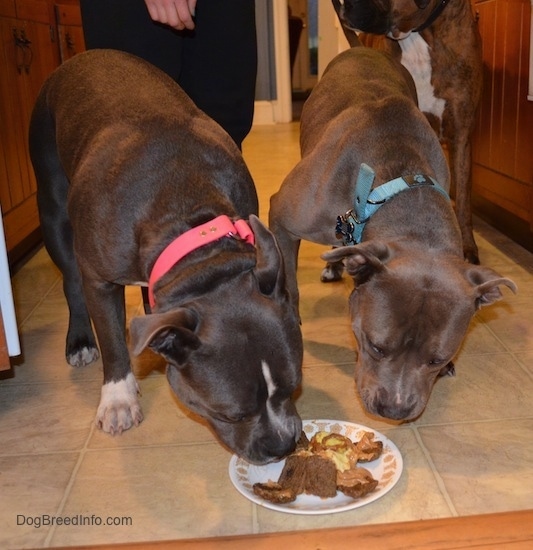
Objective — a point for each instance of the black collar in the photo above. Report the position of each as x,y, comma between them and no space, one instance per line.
432,16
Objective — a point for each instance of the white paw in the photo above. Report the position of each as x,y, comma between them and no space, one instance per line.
119,407
83,357
331,273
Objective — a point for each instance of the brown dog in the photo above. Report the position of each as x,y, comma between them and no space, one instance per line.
439,43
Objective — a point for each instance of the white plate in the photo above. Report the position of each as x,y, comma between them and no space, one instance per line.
387,469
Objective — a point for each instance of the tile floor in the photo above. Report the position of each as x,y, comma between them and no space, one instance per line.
470,452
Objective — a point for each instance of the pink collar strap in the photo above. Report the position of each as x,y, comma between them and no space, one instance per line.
193,239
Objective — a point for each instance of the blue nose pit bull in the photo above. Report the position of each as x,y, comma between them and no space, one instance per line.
439,43
369,152
132,175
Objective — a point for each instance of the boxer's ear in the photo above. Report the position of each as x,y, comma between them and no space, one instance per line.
487,284
361,260
269,270
170,334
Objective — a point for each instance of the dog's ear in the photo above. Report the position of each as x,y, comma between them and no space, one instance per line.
269,270
486,283
361,260
170,334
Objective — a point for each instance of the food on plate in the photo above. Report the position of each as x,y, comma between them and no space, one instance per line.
274,492
356,483
307,473
322,466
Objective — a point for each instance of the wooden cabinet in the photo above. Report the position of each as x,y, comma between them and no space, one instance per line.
28,54
68,17
503,140
35,36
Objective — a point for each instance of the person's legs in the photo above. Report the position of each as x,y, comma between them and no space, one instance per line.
216,64
126,25
219,65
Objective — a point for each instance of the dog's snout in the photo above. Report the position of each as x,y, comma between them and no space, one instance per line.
393,407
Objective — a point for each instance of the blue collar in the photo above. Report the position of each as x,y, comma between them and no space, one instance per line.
350,226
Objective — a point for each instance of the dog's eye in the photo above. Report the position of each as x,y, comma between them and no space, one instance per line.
376,350
435,362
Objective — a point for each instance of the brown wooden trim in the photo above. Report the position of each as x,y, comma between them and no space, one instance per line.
4,354
512,226
512,530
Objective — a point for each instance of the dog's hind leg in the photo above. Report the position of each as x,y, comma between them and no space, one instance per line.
461,169
52,189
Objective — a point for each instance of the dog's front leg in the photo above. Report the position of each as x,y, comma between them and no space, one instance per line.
119,407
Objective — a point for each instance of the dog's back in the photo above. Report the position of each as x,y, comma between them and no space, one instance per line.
368,97
122,110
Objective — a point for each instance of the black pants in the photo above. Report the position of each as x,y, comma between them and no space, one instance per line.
216,63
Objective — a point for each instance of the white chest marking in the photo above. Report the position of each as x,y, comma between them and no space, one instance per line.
415,58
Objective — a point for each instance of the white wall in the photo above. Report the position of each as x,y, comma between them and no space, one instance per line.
331,41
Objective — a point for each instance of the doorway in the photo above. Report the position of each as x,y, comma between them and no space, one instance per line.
303,42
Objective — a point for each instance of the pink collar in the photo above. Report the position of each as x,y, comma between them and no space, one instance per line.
193,239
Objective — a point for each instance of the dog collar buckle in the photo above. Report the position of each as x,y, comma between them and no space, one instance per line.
350,226
195,238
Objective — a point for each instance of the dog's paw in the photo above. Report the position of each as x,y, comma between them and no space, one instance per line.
332,272
119,407
83,356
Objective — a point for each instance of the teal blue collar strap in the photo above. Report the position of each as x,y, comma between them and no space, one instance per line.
350,226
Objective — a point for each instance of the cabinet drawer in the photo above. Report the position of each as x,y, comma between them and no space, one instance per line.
34,10
68,14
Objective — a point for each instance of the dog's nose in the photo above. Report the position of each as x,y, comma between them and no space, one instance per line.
395,412
395,409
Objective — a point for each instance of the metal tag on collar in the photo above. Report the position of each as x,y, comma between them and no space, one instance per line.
419,179
345,227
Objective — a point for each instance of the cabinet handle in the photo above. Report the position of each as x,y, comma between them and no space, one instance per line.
71,45
23,51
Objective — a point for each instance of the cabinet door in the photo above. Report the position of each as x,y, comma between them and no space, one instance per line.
28,54
502,146
69,28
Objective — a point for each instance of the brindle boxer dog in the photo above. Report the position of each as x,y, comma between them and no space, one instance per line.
137,186
369,152
439,43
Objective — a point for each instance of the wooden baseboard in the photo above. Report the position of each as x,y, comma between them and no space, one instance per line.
510,225
508,530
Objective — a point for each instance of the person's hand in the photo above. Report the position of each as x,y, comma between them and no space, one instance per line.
175,13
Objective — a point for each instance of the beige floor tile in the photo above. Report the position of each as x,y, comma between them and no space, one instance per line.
37,418
32,488
512,322
485,467
526,360
168,492
485,387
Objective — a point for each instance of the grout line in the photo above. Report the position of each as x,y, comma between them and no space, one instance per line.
69,486
436,475
90,450
39,303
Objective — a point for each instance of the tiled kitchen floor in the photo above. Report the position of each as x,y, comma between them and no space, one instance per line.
470,452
